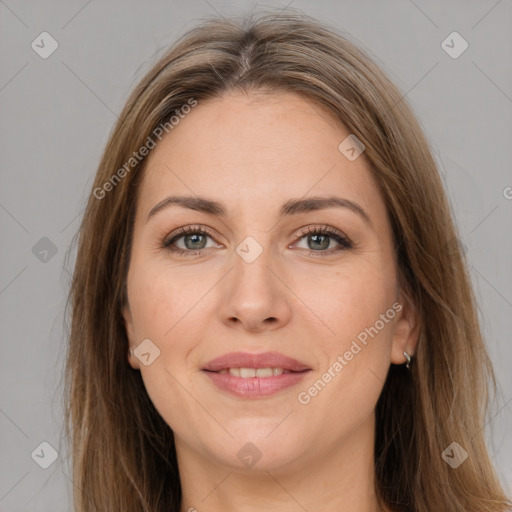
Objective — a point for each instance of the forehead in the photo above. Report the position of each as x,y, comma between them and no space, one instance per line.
252,149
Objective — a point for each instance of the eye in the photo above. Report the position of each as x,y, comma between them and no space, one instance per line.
191,240
194,240
319,238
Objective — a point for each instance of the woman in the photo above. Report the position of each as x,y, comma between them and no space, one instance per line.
270,309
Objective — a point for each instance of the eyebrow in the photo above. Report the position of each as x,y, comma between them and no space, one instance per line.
291,207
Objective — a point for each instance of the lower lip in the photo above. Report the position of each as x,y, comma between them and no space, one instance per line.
255,387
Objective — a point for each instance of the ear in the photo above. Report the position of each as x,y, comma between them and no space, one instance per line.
130,334
406,329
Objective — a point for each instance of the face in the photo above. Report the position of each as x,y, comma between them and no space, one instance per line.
310,282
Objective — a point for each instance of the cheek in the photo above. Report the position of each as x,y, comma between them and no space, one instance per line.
162,297
355,343
347,299
162,303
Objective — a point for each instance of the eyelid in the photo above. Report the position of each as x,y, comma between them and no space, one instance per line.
312,228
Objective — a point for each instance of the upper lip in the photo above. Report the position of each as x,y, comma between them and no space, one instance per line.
248,360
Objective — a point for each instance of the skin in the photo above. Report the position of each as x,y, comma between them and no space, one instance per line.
253,153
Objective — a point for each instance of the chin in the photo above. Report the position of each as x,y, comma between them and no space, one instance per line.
261,450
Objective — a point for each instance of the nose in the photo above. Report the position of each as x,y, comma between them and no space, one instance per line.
254,297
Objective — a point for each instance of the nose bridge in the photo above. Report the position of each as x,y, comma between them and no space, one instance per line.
254,296
253,262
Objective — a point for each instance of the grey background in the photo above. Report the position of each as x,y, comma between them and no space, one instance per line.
57,114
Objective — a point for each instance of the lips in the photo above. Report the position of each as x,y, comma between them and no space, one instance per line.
246,375
247,360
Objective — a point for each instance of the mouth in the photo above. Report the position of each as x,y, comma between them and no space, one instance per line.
248,375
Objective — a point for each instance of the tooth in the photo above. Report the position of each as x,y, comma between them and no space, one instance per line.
247,372
264,372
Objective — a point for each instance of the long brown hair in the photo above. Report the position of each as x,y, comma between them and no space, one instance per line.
122,450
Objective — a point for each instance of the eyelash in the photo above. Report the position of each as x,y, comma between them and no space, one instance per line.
310,231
